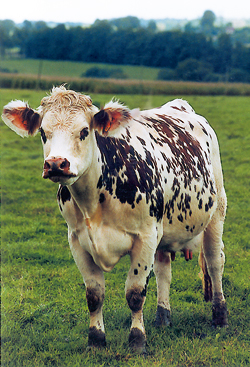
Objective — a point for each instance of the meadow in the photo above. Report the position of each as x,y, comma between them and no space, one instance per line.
44,311
72,69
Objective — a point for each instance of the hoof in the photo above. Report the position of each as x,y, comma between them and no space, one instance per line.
219,315
162,317
137,342
96,339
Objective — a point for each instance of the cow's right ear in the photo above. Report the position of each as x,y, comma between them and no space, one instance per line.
22,119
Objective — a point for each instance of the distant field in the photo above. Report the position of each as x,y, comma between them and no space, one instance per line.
37,74
72,69
44,311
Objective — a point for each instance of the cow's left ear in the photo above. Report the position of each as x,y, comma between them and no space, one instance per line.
110,118
22,119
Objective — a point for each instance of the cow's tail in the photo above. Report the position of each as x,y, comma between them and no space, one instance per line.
206,280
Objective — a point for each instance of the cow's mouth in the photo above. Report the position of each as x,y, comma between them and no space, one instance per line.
57,170
57,176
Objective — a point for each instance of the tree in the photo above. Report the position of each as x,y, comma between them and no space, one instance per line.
152,26
207,22
128,22
6,32
192,70
23,36
99,38
60,41
223,56
8,25
40,25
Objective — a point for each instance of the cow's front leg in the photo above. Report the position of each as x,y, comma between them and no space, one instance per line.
95,298
162,270
95,290
142,258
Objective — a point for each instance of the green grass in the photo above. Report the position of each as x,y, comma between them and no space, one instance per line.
72,69
44,311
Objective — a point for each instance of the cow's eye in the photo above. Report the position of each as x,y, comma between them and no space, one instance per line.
84,133
43,135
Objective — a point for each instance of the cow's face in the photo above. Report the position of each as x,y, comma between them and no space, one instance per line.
68,143
67,122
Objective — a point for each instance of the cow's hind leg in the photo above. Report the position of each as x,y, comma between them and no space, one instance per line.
214,261
162,270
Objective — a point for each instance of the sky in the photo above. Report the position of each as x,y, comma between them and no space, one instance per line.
82,11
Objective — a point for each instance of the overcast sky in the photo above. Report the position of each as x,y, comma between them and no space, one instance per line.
88,11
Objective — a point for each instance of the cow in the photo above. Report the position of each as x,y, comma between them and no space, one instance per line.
143,183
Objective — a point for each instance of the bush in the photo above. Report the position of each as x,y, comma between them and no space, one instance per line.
212,77
239,76
166,74
97,72
6,70
192,70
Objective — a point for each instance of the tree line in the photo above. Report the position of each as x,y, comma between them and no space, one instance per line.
204,53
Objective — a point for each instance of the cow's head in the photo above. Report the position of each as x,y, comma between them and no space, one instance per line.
67,122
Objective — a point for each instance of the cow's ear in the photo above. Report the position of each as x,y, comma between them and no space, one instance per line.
22,119
108,120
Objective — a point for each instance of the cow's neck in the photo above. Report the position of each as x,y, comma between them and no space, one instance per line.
84,190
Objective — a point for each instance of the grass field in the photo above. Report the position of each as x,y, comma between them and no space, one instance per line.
44,311
72,69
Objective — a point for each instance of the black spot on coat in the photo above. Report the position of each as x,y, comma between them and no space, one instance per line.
63,194
102,198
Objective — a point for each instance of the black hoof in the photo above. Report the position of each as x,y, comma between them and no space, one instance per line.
163,317
219,315
137,342
96,339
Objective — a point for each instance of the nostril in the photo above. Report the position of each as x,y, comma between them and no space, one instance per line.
46,165
64,164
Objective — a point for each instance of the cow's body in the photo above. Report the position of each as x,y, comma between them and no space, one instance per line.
146,184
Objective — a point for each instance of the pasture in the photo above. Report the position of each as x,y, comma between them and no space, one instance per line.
44,311
72,69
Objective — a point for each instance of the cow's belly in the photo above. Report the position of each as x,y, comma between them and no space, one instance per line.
178,245
187,214
187,233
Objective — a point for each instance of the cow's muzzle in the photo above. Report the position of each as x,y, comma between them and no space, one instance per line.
57,168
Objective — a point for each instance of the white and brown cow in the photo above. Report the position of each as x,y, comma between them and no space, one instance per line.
145,183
